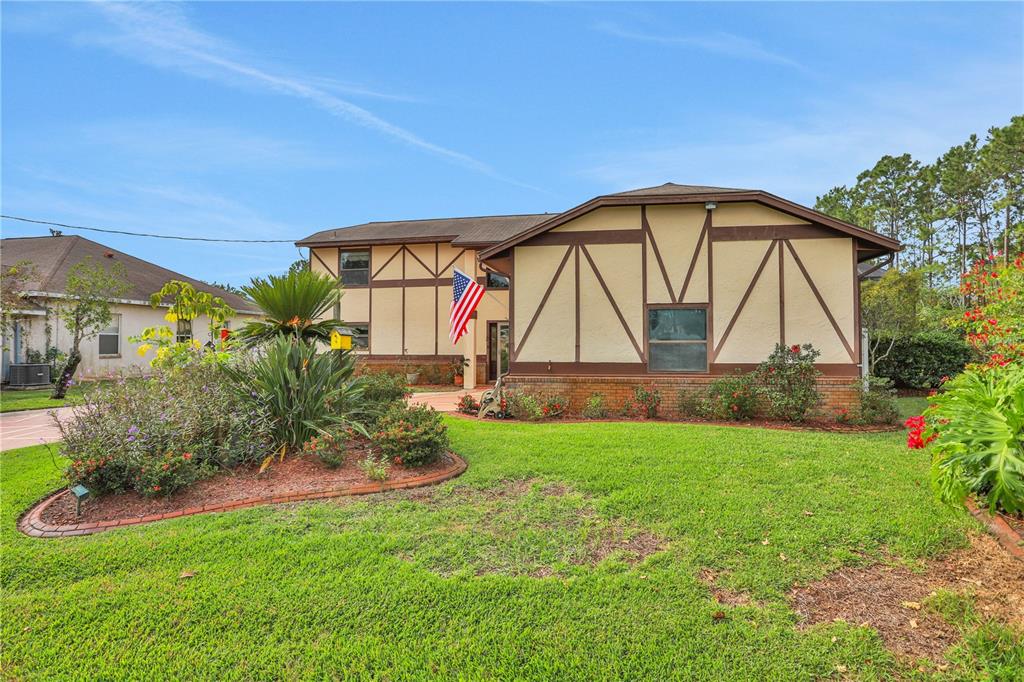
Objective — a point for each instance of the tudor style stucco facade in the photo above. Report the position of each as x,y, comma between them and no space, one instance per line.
669,286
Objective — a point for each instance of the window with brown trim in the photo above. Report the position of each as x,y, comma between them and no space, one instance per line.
183,333
354,268
496,281
360,335
677,339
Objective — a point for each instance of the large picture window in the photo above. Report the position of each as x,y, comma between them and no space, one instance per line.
354,267
109,337
677,339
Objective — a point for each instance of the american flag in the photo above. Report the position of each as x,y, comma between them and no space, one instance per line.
466,294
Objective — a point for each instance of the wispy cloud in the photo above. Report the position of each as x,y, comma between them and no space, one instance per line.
719,42
162,35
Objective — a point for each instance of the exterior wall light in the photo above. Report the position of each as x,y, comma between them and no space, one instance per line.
711,205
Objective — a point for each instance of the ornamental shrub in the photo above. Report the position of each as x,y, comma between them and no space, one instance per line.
381,390
376,468
921,360
329,449
877,401
156,435
553,406
468,405
730,397
690,403
594,407
787,382
975,429
411,435
523,406
644,403
995,324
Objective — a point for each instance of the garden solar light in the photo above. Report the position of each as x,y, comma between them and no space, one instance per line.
81,493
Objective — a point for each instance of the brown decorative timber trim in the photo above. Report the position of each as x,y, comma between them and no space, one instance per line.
643,273
511,305
696,253
856,304
32,524
388,261
587,237
391,357
437,292
543,300
782,298
639,369
615,307
821,301
711,289
764,232
425,282
326,266
657,254
417,258
577,250
403,301
452,261
746,295
757,196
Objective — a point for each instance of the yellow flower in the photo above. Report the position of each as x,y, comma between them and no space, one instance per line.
143,349
196,343
170,316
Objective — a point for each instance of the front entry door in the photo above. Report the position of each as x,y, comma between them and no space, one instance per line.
497,350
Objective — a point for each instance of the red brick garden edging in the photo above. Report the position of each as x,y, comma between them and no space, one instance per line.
31,522
1007,536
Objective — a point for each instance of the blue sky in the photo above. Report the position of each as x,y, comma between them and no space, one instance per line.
275,120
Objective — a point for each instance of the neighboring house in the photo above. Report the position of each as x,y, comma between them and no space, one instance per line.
37,327
667,286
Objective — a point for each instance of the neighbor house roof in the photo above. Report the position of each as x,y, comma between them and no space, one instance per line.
53,257
474,231
873,244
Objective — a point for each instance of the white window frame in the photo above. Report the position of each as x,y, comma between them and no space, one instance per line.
115,322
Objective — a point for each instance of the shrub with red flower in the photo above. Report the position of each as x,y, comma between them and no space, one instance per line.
994,323
916,438
468,405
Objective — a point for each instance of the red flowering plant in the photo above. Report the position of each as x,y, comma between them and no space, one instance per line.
974,430
994,322
411,436
787,382
468,405
731,397
554,406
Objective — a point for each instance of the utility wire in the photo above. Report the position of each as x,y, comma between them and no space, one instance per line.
155,236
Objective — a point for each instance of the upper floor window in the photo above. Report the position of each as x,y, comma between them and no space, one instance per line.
354,267
496,281
677,339
110,336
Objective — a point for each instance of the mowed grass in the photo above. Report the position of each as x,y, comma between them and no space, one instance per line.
35,399
492,575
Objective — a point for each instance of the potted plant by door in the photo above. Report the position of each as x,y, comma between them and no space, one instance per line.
459,370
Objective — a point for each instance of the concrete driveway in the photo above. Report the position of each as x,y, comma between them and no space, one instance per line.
31,427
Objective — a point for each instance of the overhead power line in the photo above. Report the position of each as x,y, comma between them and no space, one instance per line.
145,234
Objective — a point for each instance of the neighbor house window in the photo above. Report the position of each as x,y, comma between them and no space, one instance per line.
496,281
110,337
677,339
184,331
360,335
354,267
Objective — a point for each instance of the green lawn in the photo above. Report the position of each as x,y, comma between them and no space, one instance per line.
489,577
34,399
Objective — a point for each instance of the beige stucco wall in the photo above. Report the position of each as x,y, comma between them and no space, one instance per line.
555,338
676,230
829,262
757,328
750,213
608,218
134,318
602,337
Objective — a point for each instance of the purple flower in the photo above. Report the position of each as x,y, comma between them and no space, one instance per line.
133,429
131,439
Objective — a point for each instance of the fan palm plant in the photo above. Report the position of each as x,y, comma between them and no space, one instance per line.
292,304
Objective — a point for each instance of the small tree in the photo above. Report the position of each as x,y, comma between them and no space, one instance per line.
889,310
86,309
995,322
13,279
187,305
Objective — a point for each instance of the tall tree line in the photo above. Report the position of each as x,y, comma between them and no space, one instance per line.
966,205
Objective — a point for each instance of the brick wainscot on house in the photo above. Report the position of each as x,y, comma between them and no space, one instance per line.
667,286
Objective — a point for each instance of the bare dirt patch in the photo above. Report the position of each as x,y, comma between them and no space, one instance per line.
296,474
891,598
722,595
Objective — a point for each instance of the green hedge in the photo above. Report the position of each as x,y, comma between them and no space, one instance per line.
921,360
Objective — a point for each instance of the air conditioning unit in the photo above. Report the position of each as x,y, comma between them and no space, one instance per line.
29,375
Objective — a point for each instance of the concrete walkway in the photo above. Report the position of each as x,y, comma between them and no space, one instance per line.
33,427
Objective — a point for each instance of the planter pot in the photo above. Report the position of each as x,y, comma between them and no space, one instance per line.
412,377
458,379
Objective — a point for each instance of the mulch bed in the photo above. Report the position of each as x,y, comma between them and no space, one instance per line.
809,425
891,598
297,474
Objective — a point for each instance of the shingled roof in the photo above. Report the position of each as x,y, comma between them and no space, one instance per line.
53,257
671,188
472,231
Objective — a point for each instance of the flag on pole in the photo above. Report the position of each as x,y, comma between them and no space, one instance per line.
466,294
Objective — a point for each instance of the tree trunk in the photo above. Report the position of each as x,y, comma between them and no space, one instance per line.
60,388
